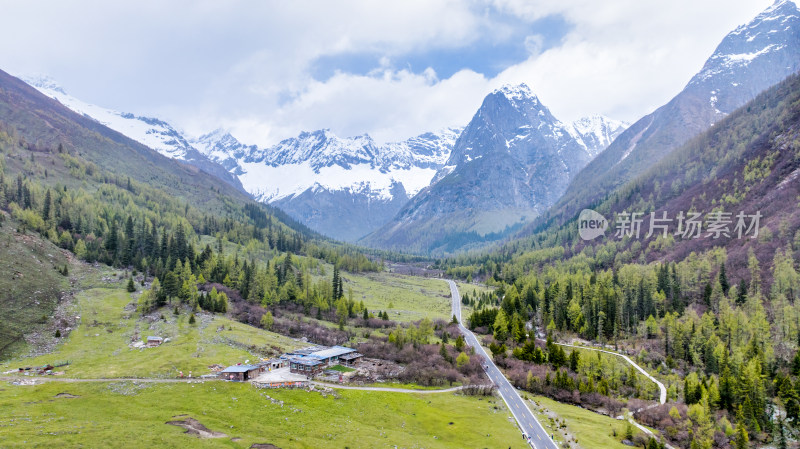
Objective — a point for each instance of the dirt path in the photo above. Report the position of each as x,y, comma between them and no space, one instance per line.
114,379
386,389
196,380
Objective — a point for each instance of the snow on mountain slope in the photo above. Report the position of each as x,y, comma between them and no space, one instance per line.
275,182
151,132
510,163
597,132
321,160
220,146
341,187
747,61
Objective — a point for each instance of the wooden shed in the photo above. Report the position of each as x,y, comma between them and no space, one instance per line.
240,373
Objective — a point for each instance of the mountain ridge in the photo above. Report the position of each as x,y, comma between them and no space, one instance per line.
748,60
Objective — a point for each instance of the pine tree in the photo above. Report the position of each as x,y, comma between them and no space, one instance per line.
723,280
335,283
130,242
574,359
192,320
741,440
111,239
46,209
460,343
131,286
741,293
179,252
707,291
796,364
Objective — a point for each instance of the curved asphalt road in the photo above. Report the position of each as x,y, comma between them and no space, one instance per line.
539,438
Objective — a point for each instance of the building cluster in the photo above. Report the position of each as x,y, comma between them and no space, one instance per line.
313,360
308,362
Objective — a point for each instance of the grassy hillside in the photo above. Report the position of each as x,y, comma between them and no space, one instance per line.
101,346
31,283
44,124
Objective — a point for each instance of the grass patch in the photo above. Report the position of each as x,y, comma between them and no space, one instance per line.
405,298
341,369
591,430
119,413
474,290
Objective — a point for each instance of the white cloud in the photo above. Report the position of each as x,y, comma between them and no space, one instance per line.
627,57
246,65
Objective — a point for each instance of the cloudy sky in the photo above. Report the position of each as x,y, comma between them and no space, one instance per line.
268,69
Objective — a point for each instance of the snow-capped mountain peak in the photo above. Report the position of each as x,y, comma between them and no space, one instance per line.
771,35
44,82
321,159
516,92
596,132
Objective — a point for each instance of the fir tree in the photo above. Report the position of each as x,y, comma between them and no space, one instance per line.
741,293
723,280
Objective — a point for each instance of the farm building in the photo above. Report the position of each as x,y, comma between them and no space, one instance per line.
312,361
275,363
240,373
332,354
152,342
350,359
307,365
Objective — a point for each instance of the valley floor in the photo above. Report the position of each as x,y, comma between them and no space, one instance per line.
123,396
134,414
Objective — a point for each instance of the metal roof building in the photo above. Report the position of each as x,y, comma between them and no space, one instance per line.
331,353
240,368
240,372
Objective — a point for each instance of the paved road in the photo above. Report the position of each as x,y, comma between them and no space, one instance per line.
539,438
